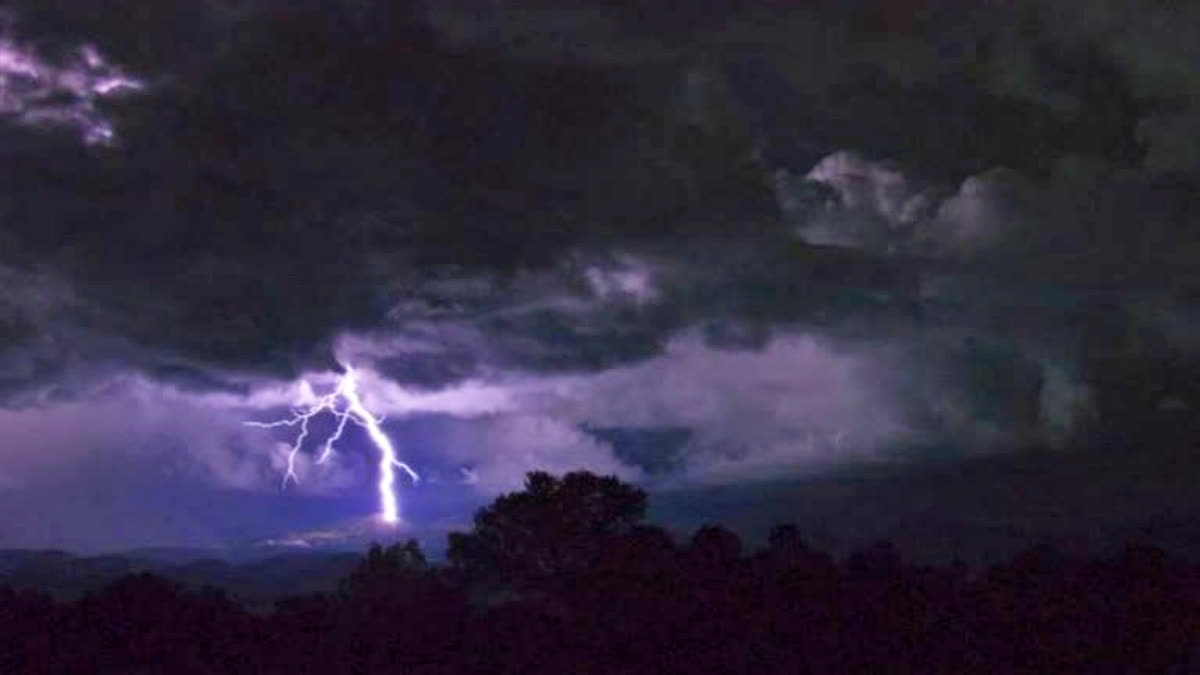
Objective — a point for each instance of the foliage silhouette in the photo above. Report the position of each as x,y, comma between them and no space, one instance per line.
554,527
587,588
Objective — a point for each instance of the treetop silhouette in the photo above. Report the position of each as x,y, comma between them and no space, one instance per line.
554,527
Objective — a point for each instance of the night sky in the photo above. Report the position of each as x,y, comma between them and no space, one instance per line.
919,269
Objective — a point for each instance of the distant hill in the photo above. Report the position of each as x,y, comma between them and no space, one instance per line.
255,581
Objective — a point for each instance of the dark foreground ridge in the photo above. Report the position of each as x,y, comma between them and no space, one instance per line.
565,576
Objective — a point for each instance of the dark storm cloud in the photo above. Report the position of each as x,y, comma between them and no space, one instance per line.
281,151
285,162
293,174
1053,275
146,37
595,312
655,451
601,235
979,509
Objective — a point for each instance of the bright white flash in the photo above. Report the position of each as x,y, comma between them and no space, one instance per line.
346,406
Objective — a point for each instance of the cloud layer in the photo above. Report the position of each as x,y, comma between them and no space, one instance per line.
685,256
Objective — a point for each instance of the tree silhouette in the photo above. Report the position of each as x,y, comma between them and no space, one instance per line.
714,547
396,612
554,527
385,568
590,589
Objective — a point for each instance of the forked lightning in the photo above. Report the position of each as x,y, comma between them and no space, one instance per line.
345,404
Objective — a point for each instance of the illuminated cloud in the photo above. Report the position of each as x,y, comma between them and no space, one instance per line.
628,278
875,204
989,211
496,452
39,93
127,423
796,405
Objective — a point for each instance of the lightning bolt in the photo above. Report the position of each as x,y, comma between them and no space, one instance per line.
346,406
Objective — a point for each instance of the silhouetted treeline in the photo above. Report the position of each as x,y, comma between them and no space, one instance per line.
564,577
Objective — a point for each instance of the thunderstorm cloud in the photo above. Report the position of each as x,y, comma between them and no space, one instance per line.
755,244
